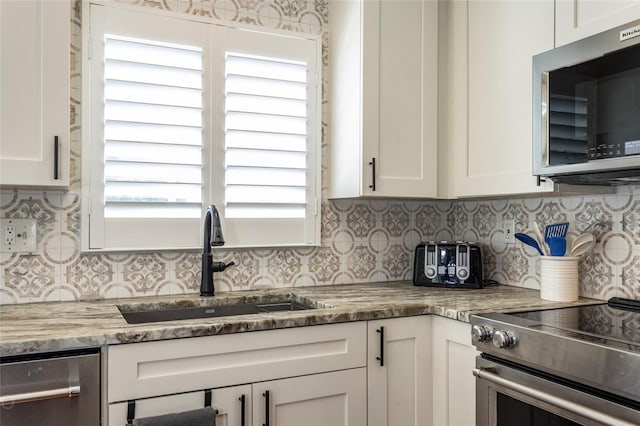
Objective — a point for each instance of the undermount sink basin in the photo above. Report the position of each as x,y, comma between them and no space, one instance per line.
138,314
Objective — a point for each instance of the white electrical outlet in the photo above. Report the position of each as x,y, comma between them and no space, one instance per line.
17,235
509,230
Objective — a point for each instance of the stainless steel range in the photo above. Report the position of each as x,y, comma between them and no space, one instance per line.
569,366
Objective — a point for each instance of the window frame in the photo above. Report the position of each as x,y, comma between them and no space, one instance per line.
186,234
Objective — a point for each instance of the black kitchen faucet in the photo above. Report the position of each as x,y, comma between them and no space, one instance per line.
212,238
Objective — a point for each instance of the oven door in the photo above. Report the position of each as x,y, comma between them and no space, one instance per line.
509,396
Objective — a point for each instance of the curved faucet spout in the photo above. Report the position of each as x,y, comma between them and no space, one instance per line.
212,238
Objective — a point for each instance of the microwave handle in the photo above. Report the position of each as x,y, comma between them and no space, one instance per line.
544,118
486,374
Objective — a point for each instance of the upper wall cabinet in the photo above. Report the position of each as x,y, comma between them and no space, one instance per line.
34,93
383,98
576,19
486,98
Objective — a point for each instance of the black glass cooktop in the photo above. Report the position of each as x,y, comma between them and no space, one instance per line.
616,323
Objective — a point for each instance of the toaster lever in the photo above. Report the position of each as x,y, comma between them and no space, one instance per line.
462,255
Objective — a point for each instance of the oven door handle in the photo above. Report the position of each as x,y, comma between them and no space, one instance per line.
487,374
21,398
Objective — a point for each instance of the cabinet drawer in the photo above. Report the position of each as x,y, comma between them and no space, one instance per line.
158,368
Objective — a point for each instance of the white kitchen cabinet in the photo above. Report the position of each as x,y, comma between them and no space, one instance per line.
307,369
383,98
399,371
227,401
486,102
337,398
454,388
577,19
34,93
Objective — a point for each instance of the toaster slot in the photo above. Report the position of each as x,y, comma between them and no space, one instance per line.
446,263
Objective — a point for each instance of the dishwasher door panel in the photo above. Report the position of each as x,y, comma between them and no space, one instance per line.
50,392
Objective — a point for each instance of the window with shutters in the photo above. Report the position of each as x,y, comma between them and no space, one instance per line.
182,114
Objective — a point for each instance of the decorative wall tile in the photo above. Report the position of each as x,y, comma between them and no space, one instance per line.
91,275
361,220
143,272
324,265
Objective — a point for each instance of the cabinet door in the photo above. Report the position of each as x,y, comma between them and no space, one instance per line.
228,402
454,386
487,75
399,371
400,106
384,98
577,19
336,399
34,93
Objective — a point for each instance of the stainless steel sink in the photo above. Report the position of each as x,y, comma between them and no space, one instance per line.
138,314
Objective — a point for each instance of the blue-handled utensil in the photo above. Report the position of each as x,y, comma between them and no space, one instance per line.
557,246
555,230
528,240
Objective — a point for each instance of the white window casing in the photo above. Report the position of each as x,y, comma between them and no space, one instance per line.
179,114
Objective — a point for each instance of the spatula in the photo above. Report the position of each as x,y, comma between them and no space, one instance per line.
557,246
555,230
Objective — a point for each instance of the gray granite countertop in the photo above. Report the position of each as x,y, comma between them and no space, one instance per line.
39,327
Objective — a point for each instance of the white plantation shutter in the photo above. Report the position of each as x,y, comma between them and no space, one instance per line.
265,137
270,178
152,130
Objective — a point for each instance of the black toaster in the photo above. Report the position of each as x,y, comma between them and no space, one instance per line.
444,264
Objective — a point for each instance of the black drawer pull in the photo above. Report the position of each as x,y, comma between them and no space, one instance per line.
381,357
242,409
56,146
372,163
267,402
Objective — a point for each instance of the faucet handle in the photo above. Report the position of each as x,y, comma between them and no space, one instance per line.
220,266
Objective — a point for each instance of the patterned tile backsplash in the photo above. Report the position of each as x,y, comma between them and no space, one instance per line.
361,240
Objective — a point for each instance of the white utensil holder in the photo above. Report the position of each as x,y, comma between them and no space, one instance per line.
559,278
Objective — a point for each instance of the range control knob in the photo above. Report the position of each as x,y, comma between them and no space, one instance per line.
504,339
481,333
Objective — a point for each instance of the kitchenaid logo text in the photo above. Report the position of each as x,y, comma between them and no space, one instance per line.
630,33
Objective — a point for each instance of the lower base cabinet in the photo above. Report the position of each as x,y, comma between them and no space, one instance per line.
454,386
411,371
337,398
312,376
399,371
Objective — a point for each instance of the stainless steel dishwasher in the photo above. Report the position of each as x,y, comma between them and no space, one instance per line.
52,389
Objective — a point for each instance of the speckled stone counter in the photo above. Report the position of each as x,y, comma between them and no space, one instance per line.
41,327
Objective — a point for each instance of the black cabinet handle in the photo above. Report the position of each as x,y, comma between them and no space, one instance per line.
267,402
55,157
381,357
242,409
372,163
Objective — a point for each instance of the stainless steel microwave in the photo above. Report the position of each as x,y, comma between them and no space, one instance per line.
586,109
